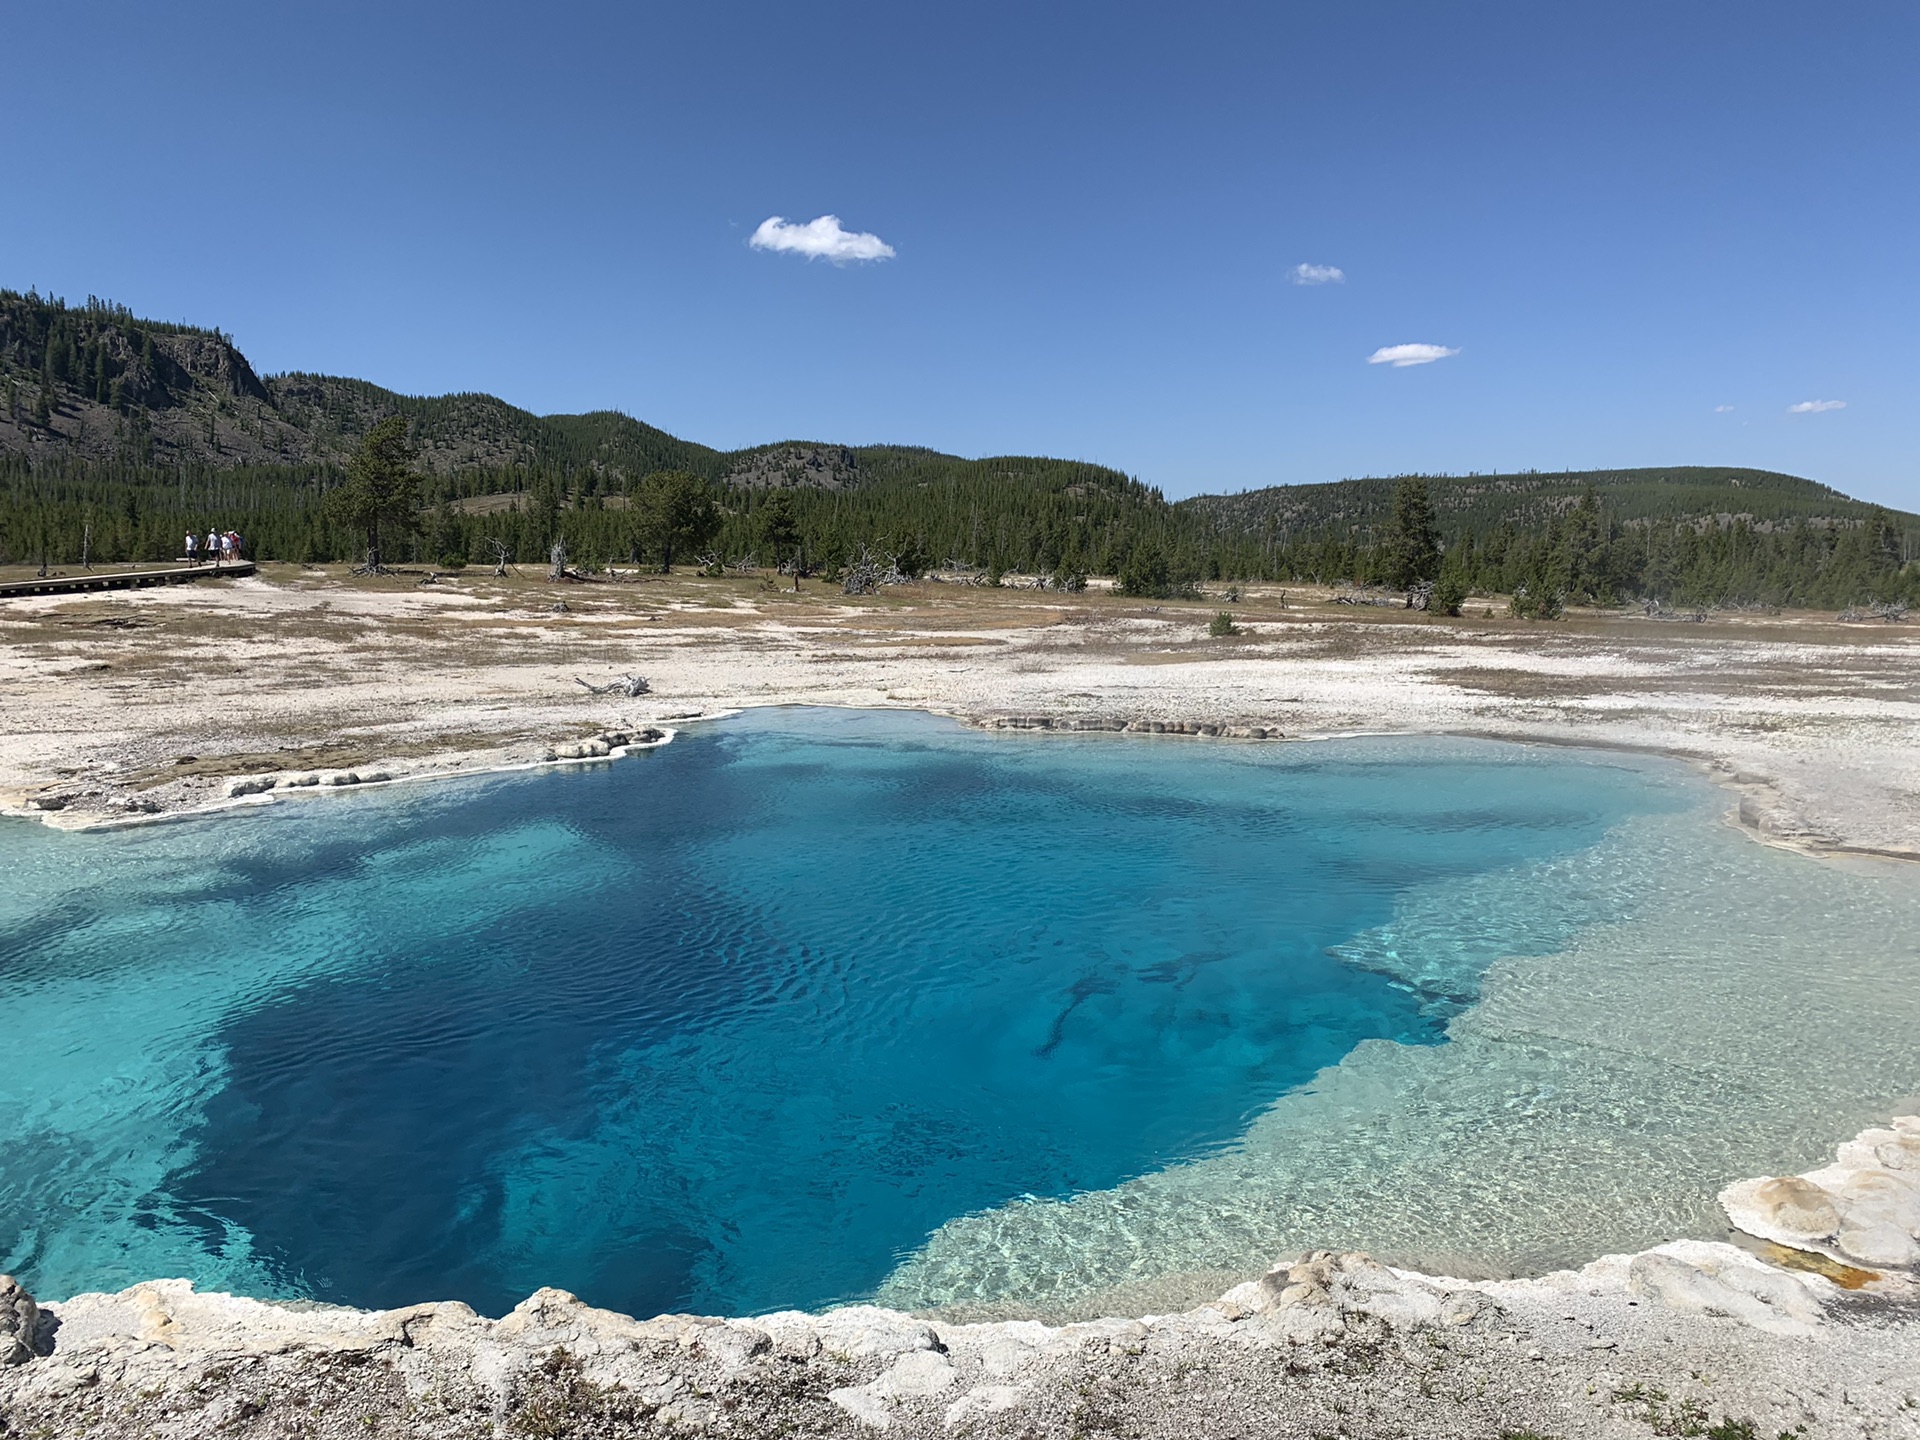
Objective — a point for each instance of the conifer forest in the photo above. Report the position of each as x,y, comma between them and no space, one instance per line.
118,435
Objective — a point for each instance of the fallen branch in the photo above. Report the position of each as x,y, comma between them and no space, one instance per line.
868,571
1654,610
632,686
1893,611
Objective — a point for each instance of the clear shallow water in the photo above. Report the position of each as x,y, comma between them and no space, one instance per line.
739,1023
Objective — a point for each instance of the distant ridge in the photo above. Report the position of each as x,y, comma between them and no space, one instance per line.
1467,503
123,388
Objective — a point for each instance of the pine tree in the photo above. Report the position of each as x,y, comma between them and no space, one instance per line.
1411,554
382,490
778,531
674,510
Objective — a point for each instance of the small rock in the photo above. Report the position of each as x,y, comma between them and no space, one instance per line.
917,1373
1003,1356
1300,1325
733,1347
48,802
1798,1205
1318,1268
1725,1283
862,1404
302,780
344,777
19,1322
797,1345
983,1400
251,787
1879,1242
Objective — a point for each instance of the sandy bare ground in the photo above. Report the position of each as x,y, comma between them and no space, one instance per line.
133,703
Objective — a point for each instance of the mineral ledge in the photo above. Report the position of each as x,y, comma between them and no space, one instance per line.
1808,1327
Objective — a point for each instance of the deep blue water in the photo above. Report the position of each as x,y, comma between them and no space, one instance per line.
725,1027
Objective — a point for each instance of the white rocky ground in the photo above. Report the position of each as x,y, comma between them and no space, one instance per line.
157,703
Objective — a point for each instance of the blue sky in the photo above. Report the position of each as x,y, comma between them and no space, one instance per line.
1622,216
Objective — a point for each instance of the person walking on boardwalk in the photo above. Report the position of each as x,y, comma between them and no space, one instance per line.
193,548
213,546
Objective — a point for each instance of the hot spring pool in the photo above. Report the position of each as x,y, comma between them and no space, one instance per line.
818,1005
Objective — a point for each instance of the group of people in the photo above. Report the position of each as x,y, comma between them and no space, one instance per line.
220,548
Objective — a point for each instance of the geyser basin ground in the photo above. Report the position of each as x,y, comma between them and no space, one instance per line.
737,1024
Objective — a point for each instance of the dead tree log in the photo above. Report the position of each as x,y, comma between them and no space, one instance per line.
867,572
1892,611
631,686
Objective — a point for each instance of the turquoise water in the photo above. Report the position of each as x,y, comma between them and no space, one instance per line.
739,1023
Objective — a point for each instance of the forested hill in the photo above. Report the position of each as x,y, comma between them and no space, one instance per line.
1474,504
118,434
93,382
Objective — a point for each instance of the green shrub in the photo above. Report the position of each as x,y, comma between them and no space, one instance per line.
1144,574
1222,624
1531,604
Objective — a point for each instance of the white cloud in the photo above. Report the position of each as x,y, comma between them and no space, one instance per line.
1401,356
1815,407
1304,274
1722,409
820,239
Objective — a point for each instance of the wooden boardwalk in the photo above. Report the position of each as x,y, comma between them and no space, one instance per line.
89,580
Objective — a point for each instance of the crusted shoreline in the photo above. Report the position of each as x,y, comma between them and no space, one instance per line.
306,671
1762,1339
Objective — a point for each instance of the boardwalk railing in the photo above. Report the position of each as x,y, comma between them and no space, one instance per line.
124,579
